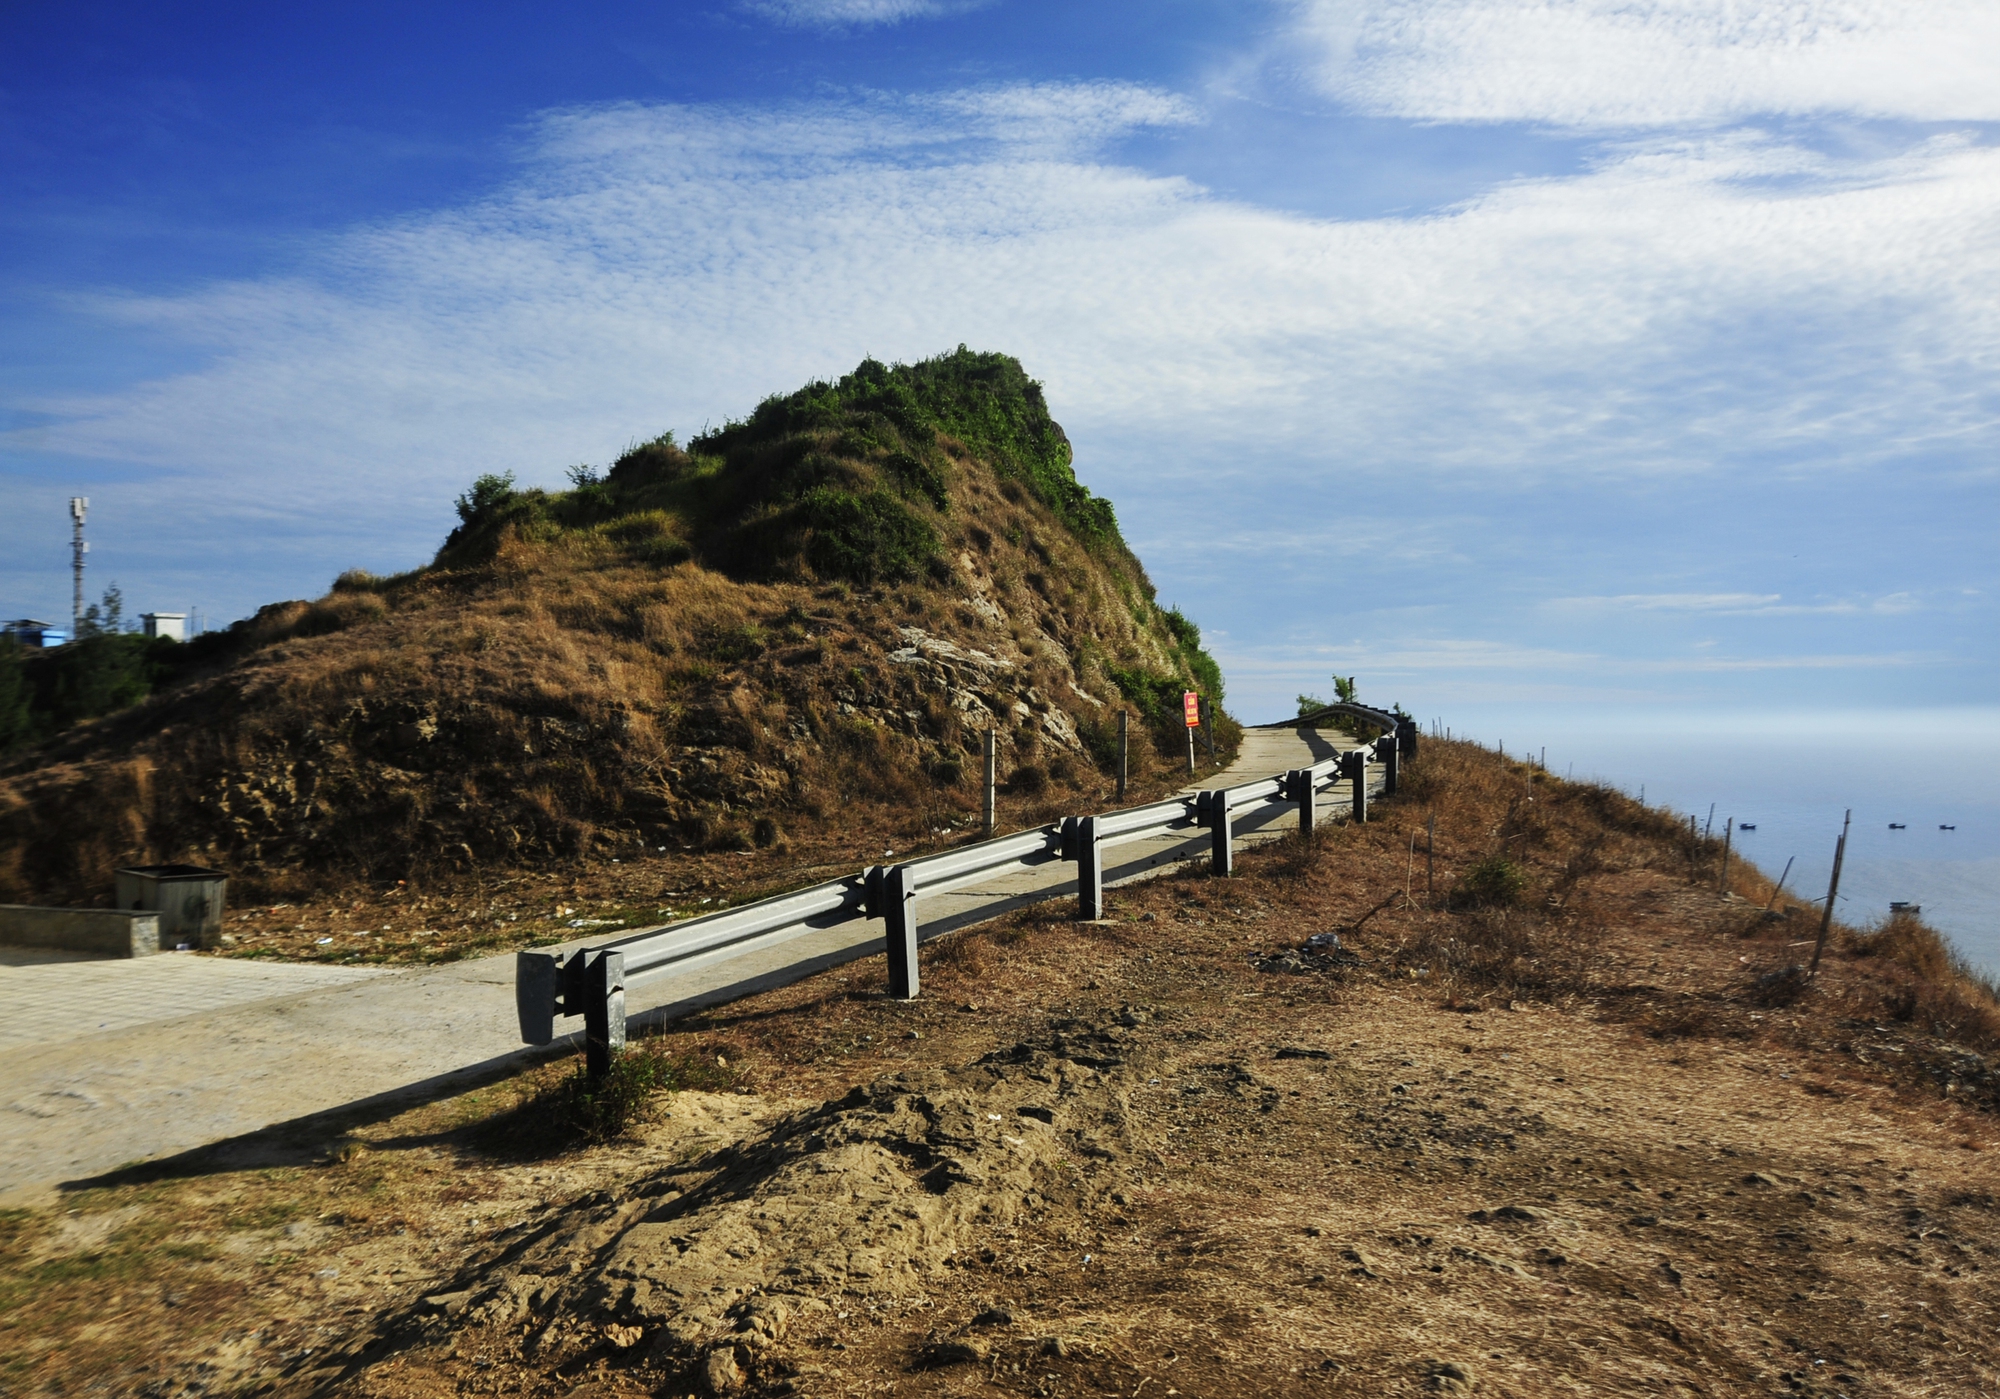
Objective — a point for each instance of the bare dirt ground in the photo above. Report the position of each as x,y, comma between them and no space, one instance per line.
1589,1137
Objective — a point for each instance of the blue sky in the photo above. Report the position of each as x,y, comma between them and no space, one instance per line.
1612,353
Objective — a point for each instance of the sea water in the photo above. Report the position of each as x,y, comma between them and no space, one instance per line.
1793,776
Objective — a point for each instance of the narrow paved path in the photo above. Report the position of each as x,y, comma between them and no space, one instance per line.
111,1062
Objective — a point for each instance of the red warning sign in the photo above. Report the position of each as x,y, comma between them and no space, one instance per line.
1191,702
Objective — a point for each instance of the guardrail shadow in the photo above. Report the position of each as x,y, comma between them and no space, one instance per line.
307,1139
1321,747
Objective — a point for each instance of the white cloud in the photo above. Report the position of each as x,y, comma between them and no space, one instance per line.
679,262
1597,64
1740,604
1671,602
1408,656
654,267
855,14
1716,664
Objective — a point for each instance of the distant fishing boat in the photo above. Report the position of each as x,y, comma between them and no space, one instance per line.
1897,906
1947,828
1747,826
1897,826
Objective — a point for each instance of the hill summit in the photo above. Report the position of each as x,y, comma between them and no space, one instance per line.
815,611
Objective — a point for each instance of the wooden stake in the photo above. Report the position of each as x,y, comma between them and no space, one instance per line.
988,815
1781,884
1430,859
1123,716
1832,892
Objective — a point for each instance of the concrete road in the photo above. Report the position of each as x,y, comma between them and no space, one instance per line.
107,1063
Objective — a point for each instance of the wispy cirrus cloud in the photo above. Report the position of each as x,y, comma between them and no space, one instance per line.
658,265
1612,64
1739,604
1410,656
856,14
1669,602
1722,306
1707,664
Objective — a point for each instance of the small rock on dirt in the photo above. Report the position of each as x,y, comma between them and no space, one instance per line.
963,1351
1450,1377
1519,1213
721,1372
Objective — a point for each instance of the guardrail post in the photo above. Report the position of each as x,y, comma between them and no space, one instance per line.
1089,872
537,982
1357,763
899,917
603,1011
1299,788
1406,737
1221,846
1391,751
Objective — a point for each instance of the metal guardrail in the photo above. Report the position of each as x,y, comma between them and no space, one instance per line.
592,981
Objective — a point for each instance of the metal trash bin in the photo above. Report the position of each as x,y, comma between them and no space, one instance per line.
188,899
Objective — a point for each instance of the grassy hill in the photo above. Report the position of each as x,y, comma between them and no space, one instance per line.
796,625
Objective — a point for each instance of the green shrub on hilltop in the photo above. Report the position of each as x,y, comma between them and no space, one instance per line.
986,402
863,537
853,481
847,479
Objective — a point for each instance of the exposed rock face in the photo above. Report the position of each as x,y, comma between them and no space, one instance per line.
983,690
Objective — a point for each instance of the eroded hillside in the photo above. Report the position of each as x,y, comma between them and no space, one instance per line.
807,615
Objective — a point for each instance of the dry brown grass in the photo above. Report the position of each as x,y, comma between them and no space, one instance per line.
567,705
1331,1181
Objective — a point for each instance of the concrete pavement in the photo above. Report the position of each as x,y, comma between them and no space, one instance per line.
104,1067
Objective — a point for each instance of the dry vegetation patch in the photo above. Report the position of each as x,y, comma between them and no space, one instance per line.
791,635
1289,1133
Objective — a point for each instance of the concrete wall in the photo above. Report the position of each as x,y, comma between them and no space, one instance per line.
109,932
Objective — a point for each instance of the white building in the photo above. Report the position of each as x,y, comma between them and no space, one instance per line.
172,625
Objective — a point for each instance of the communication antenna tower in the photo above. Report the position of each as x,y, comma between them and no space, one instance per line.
79,506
